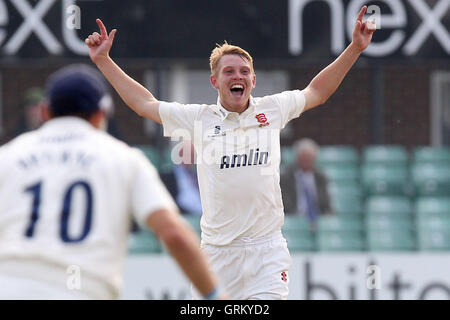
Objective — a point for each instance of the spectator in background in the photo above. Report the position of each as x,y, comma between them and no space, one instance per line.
304,186
32,110
182,181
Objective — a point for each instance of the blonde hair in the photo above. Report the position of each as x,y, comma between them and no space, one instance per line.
220,50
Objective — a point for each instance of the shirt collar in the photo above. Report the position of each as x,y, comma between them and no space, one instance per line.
67,122
224,113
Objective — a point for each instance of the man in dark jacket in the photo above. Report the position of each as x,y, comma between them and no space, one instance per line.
304,186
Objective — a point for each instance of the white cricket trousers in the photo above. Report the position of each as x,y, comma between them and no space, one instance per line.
251,269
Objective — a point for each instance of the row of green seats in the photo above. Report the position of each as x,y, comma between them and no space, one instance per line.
346,155
429,229
392,155
420,179
430,232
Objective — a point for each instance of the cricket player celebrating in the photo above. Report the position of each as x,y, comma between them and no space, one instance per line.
68,192
239,175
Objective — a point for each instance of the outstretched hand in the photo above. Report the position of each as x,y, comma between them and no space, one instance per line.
100,44
363,31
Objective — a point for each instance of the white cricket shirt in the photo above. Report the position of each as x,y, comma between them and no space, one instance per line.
67,195
238,158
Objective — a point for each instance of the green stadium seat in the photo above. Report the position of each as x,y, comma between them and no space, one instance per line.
194,221
432,206
341,174
347,206
167,164
385,180
340,241
386,222
389,224
433,240
336,223
390,155
338,155
297,231
431,179
151,153
397,207
302,241
287,156
432,155
296,222
433,223
143,241
339,233
390,240
347,190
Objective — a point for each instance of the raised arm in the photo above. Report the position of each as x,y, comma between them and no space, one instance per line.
329,79
136,96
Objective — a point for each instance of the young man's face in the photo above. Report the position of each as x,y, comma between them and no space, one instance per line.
235,81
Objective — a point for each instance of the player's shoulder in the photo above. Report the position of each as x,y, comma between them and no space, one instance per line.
278,97
197,109
118,147
111,143
18,143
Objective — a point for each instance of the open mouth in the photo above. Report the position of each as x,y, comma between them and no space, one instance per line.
237,90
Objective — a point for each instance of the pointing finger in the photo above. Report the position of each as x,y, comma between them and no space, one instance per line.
102,28
361,13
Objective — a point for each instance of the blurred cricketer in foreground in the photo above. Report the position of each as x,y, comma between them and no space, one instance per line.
68,193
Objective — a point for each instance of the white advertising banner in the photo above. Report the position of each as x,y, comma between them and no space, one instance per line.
319,276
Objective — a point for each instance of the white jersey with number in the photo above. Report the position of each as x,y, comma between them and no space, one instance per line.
68,193
238,158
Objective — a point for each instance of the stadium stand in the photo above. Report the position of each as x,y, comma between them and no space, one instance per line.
390,155
336,233
194,221
383,179
433,223
432,155
338,156
390,240
431,179
384,199
299,236
143,241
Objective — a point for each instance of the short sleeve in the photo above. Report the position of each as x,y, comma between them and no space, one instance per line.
178,119
291,105
148,192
